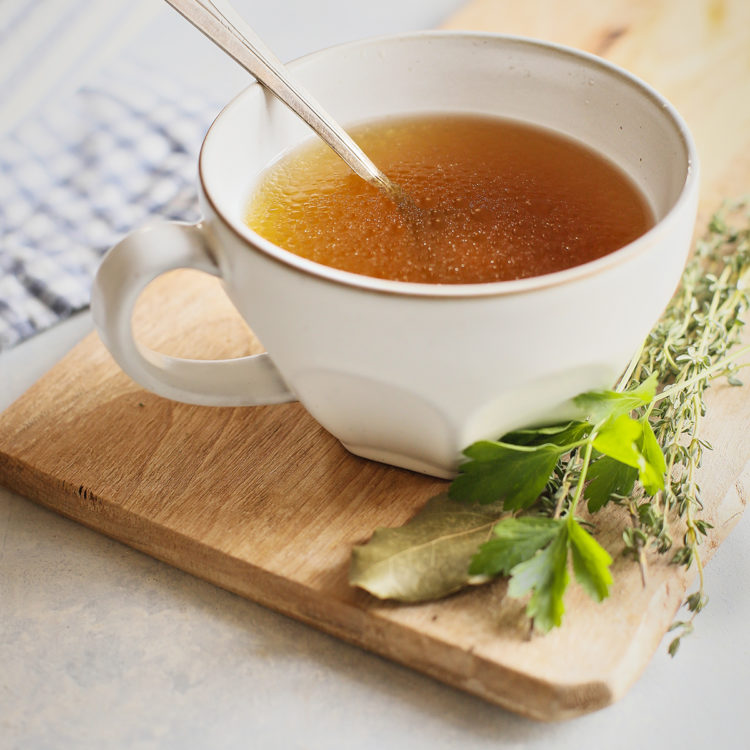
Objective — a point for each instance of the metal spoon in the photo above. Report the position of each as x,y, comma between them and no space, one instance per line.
221,23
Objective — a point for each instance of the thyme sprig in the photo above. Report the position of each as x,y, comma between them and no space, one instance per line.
694,342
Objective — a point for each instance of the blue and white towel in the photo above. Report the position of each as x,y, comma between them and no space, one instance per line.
81,171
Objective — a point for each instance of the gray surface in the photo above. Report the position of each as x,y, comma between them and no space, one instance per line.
101,646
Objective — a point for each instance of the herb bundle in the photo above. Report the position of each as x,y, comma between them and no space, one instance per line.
512,511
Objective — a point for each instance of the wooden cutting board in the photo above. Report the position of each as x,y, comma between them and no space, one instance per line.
263,502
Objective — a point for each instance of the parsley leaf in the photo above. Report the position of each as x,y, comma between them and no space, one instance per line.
632,442
546,576
590,562
599,406
618,438
561,434
608,477
499,471
652,473
516,540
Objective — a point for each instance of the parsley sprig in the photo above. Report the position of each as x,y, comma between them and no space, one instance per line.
613,444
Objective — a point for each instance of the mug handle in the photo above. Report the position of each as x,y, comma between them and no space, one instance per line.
123,274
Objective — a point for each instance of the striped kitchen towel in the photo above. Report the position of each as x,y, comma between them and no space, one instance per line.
82,170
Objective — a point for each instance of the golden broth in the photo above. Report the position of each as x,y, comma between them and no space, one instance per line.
498,200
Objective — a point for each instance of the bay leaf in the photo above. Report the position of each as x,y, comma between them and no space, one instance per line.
428,557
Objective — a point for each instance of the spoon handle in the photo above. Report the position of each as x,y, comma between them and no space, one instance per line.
221,23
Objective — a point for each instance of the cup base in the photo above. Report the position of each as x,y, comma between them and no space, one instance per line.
403,462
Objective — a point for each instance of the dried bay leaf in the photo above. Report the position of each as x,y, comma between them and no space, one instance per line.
428,557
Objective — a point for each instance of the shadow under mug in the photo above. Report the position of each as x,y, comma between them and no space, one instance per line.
410,374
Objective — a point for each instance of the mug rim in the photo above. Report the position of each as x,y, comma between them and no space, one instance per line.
479,289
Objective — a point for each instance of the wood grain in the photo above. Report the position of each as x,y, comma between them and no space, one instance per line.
263,502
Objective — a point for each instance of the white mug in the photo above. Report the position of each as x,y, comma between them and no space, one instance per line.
405,373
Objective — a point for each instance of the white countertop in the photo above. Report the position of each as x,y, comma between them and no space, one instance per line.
104,647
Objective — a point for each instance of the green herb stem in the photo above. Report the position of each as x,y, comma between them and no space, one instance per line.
581,477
